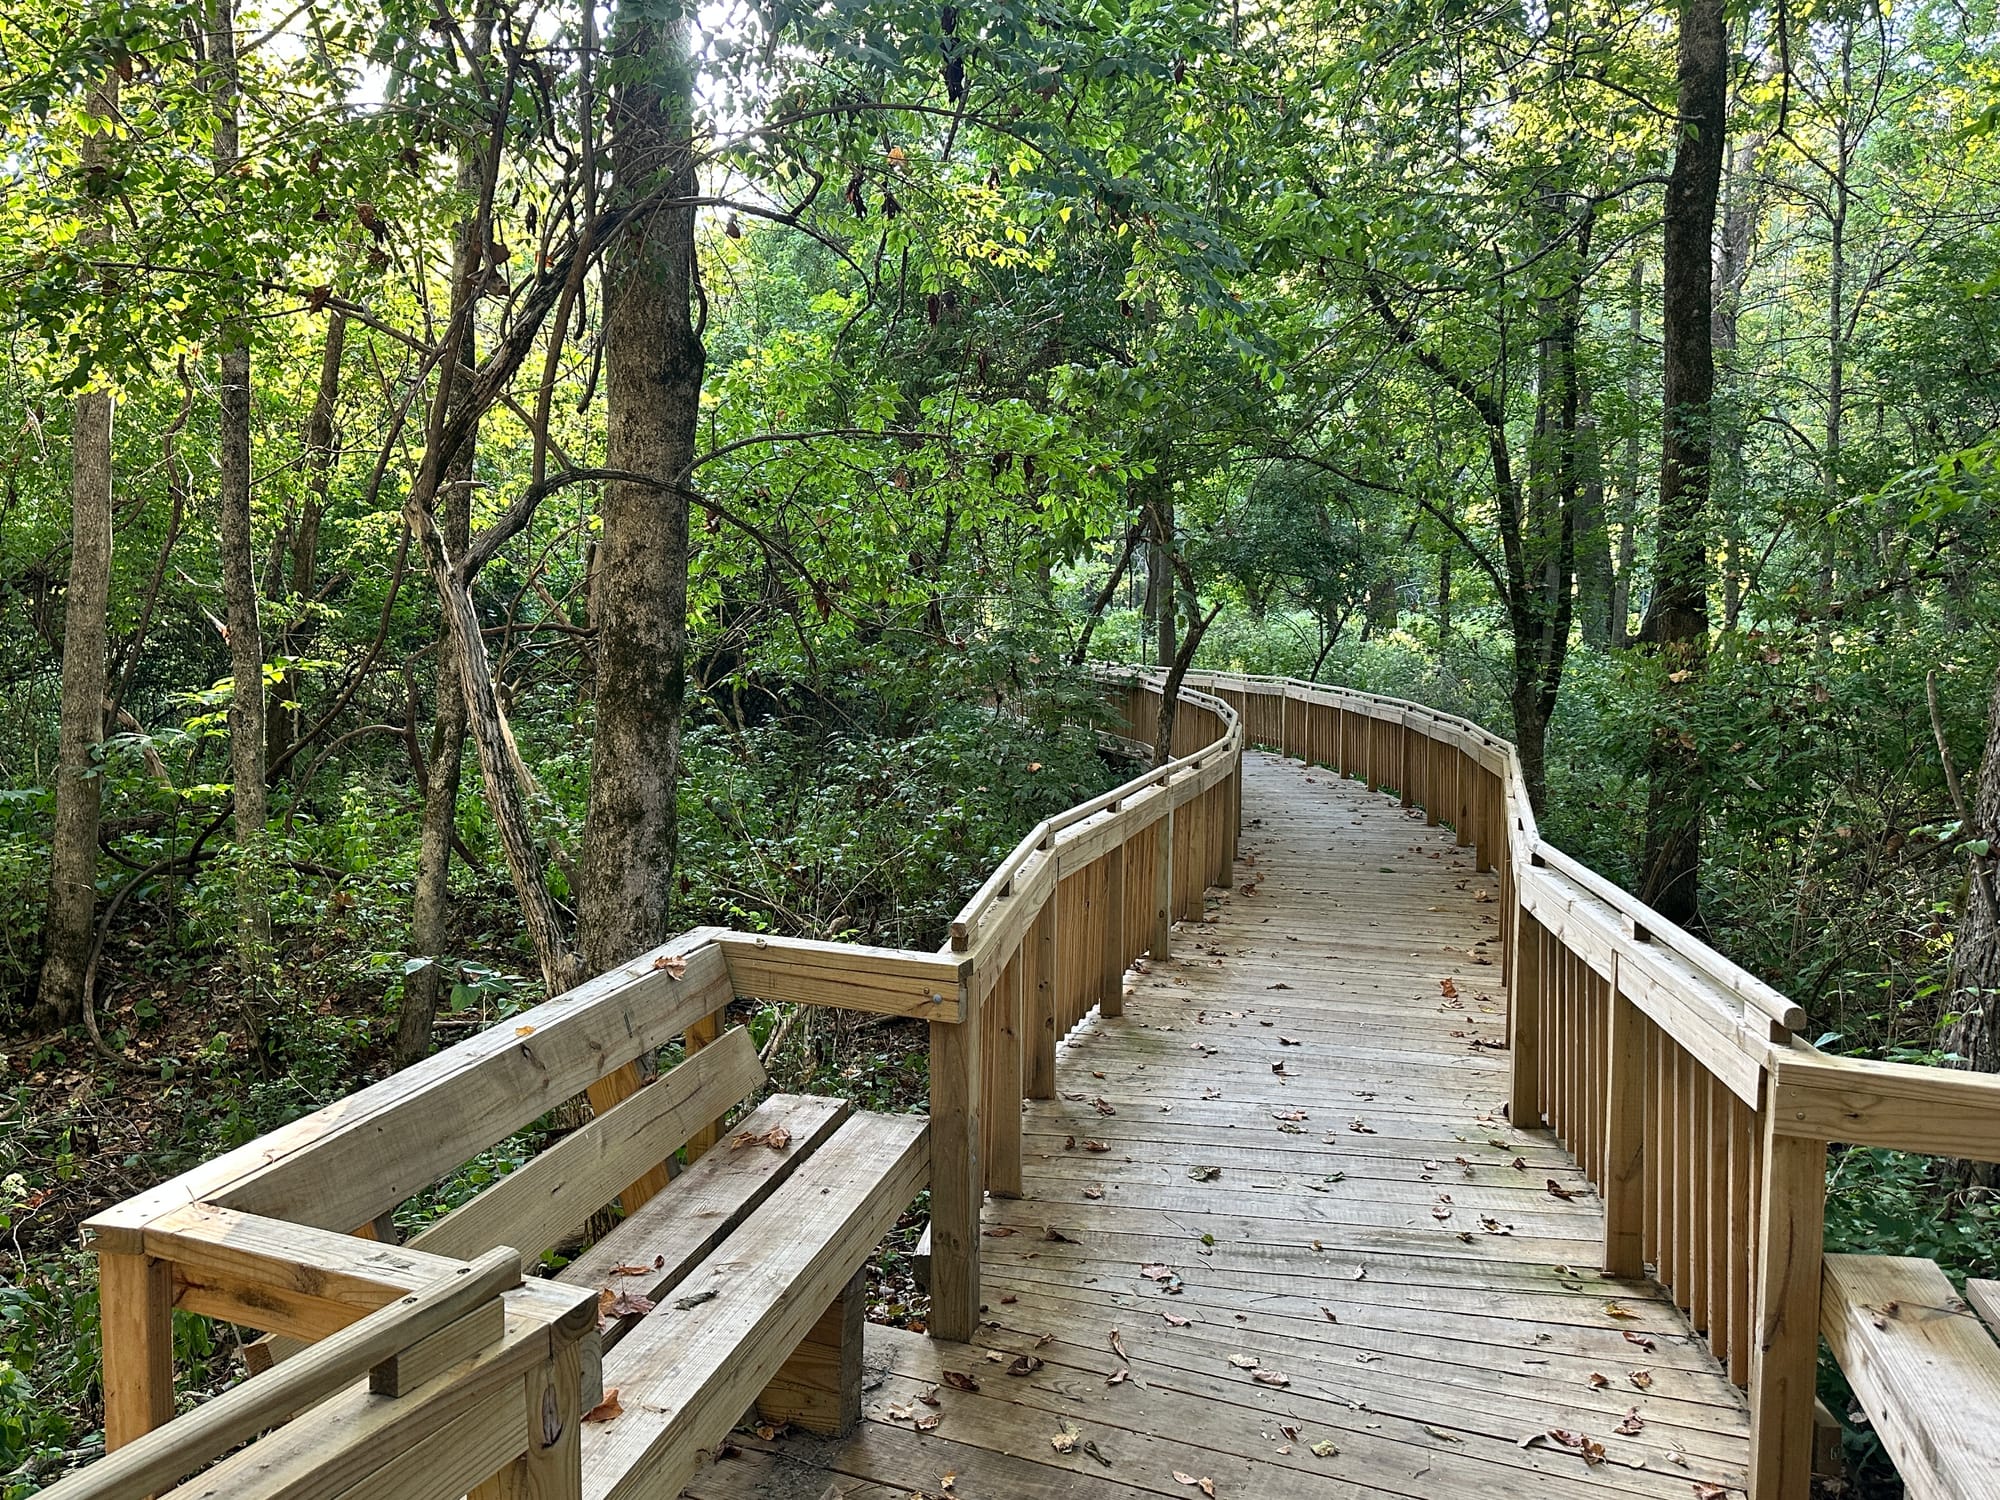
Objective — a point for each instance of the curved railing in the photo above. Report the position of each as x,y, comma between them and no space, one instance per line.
264,1236
1674,1076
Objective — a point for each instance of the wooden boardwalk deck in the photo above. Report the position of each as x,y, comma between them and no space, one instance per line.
1328,1263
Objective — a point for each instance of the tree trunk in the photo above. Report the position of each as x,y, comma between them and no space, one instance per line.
1676,625
303,580
1157,503
239,563
1444,594
653,365
1081,653
72,909
1628,505
1975,952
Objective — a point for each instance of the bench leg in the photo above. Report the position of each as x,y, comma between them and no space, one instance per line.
819,1387
552,1466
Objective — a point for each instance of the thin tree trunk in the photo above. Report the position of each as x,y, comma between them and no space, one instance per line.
302,582
1676,625
653,366
72,908
1628,502
1444,594
1081,653
1975,951
239,563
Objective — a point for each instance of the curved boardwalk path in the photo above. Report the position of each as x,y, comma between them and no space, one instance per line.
1329,1265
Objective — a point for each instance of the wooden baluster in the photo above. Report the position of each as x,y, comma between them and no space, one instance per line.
1718,1218
1162,944
1698,1163
1405,756
1000,1057
1742,1233
135,1300
1491,821
1624,1182
1650,1153
1038,992
1462,798
1524,1023
1660,1137
956,1175
1784,1363
1111,952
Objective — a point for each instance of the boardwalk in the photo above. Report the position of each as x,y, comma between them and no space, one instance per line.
1328,1263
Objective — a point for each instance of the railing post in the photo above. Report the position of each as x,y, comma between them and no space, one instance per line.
956,1175
1785,1360
1524,1020
1624,1184
1162,945
135,1308
1111,970
551,1468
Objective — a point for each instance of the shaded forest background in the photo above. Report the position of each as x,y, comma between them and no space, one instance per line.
486,487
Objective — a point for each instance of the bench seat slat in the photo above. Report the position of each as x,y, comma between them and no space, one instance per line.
1925,1368
683,1225
685,1375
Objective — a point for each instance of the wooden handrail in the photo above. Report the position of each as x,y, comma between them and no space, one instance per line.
170,1453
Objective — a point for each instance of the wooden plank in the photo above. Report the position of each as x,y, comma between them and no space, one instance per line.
550,1465
339,1448
684,1377
159,1458
957,1178
683,1226
450,1462
428,1356
1785,1359
344,1164
847,976
1901,1106
135,1313
536,1205
1039,1024
819,1386
1624,1184
1111,937
1925,1370
1001,1072
605,1095
1984,1298
1161,945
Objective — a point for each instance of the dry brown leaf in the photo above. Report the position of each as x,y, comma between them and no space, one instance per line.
1613,1310
1643,1379
607,1409
958,1380
673,965
1557,1190
1270,1377
777,1138
1599,1382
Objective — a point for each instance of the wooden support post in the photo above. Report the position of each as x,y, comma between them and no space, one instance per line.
1406,760
1785,1359
1162,945
1524,1023
1038,1025
956,1175
615,1088
1624,1184
1466,799
1000,1107
819,1387
135,1302
1111,971
698,1036
1492,827
551,1468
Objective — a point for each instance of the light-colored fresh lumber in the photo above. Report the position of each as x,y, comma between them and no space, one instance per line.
1924,1368
1901,1106
819,1386
168,1454
957,1177
883,981
550,1464
1784,1361
663,1241
685,1374
136,1319
536,1205
344,1164
340,1447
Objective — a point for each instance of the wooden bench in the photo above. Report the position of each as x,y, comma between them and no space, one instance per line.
736,1282
1924,1367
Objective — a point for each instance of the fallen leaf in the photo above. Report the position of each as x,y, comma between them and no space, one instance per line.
607,1409
524,1031
1053,1236
777,1138
1633,1422
1441,1435
1118,1377
1557,1190
1613,1310
1448,989
1270,1377
1643,1379
958,1380
1118,1347
1599,1382
1204,1174
1175,1320
1093,1193
1244,1361
1065,1440
1361,1127
1000,1232
1024,1364
673,965
1324,1448
1097,1146
1640,1339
